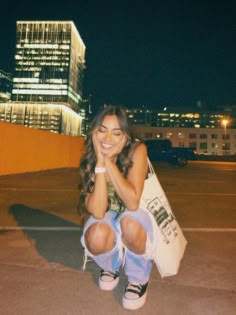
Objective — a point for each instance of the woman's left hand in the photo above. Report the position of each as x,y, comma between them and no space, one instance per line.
98,151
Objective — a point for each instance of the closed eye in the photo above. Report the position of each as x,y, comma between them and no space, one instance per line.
102,129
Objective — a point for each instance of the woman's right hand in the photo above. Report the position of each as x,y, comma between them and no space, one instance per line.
98,152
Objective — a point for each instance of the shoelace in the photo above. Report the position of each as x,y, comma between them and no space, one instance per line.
110,274
134,287
86,260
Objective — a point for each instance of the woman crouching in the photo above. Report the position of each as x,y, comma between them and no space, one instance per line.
118,233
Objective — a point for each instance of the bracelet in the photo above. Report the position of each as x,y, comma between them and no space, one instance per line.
100,170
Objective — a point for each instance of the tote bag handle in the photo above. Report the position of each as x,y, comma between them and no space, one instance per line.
150,167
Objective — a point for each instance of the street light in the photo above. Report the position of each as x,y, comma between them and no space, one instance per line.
225,123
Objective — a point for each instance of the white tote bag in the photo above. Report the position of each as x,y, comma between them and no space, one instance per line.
168,240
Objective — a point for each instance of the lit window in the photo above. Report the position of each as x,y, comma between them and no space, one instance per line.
169,134
180,135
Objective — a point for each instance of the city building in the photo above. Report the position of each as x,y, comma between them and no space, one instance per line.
207,141
5,86
53,117
48,78
49,63
210,133
176,119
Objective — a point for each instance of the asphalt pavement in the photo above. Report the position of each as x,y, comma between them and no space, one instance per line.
41,256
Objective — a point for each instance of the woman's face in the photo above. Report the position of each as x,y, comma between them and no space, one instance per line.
109,134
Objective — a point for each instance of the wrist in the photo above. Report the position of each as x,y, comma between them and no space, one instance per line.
100,162
100,165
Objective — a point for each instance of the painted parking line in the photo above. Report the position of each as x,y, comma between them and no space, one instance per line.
79,228
36,189
40,228
209,229
76,190
201,193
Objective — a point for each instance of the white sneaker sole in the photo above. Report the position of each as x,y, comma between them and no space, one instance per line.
134,304
108,285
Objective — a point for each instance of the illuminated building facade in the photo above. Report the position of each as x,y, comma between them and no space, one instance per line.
206,141
47,84
204,132
5,86
177,119
49,63
56,118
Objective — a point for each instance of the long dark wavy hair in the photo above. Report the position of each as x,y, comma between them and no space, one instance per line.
88,160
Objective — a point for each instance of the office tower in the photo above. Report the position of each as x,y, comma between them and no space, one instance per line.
48,78
49,63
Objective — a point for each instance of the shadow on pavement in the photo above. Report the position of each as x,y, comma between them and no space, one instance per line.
61,245
56,239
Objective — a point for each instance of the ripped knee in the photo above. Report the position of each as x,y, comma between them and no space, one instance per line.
99,238
133,235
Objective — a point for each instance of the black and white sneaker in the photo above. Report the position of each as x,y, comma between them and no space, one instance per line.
108,280
135,295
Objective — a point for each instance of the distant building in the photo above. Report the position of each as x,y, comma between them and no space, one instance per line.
209,141
5,86
48,78
176,119
209,133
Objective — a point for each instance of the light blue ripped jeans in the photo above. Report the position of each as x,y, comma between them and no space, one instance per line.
136,267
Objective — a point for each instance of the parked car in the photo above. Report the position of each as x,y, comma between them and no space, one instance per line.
162,150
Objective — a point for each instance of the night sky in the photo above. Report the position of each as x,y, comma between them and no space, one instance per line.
155,54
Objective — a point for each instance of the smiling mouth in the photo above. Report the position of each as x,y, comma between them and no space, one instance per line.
106,145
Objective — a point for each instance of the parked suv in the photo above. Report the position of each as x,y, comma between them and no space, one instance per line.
162,150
